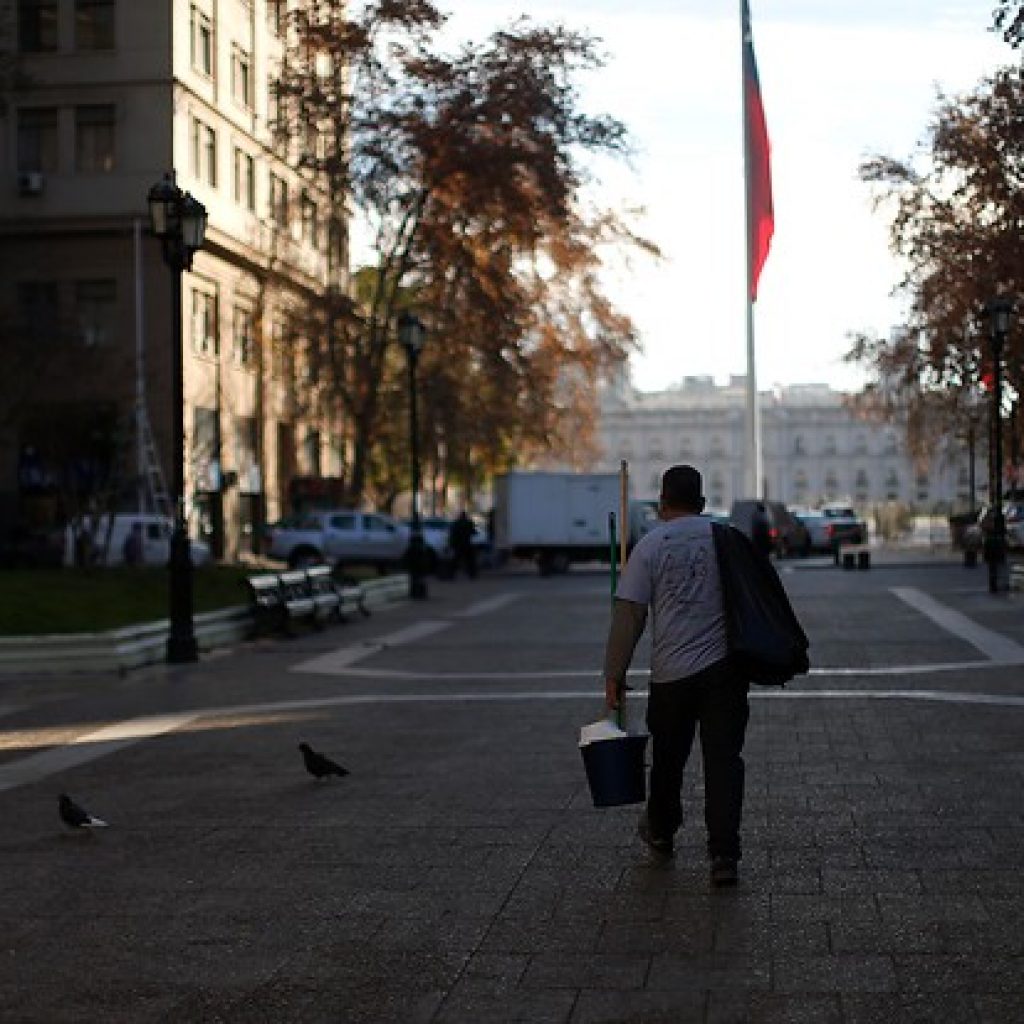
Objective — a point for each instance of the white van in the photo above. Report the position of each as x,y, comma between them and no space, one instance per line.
155,538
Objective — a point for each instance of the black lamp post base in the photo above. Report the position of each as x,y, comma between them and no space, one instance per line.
417,589
182,650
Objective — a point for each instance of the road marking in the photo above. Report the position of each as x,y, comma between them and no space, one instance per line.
336,662
491,604
993,645
361,672
89,747
111,738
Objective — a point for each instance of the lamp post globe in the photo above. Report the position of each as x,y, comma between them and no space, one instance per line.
179,221
412,336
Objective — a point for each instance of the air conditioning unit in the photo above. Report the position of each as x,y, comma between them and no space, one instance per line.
30,183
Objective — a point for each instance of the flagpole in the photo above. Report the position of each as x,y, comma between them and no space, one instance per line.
752,434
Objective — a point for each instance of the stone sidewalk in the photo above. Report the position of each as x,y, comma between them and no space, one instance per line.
460,874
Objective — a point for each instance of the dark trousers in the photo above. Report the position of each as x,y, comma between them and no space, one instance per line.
716,700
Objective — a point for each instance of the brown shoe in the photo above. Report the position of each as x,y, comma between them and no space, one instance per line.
661,846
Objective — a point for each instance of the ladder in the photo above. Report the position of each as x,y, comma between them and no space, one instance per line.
152,475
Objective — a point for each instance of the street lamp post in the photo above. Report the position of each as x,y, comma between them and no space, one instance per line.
412,334
179,221
999,311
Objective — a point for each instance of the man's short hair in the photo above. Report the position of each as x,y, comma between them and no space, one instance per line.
682,487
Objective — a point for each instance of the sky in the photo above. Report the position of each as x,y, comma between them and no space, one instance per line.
841,80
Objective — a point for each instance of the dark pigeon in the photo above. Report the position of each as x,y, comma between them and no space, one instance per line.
319,766
77,817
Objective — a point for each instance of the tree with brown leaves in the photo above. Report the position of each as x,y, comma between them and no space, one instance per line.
956,224
467,169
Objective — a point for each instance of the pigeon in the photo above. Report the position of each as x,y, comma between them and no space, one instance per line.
77,817
318,765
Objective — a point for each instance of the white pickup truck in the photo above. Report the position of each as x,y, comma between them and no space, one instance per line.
339,537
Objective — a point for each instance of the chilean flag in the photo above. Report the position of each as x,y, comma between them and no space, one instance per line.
760,216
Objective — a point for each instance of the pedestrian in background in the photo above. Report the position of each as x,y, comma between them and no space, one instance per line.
460,540
132,548
673,571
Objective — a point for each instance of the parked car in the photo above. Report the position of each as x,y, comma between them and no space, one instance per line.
788,535
340,536
820,531
107,540
847,526
975,535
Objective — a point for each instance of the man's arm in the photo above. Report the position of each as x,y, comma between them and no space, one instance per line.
627,626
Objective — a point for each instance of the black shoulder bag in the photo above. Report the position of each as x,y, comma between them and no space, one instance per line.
765,638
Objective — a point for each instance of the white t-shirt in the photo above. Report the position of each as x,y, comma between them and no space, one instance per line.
673,569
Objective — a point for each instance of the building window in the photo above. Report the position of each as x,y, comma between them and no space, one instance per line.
800,486
38,309
656,449
278,349
204,153
204,323
830,446
312,453
202,43
245,180
38,26
309,221
923,485
94,24
312,363
94,139
861,445
798,445
279,201
831,484
276,13
717,488
862,486
243,335
892,485
245,453
95,306
37,139
241,77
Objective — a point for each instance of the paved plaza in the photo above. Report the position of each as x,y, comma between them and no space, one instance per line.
460,872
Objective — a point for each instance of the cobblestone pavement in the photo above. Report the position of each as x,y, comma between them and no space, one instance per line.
461,873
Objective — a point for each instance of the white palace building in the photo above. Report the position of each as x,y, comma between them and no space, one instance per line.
814,447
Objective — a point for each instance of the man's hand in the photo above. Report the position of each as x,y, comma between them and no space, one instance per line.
613,694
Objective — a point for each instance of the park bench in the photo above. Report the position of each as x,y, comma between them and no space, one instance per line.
298,601
323,593
267,603
854,556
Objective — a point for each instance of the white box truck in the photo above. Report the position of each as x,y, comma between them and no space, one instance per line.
555,518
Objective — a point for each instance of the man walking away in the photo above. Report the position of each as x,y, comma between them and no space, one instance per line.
460,540
673,572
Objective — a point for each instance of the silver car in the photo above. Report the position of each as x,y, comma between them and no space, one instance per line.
339,536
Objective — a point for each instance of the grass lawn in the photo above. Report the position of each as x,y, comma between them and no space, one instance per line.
34,601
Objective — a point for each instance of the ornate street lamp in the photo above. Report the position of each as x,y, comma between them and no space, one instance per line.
999,311
412,334
179,221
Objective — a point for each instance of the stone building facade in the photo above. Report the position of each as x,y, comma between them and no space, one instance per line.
814,448
102,97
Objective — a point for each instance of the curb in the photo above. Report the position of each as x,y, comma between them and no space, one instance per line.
120,650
